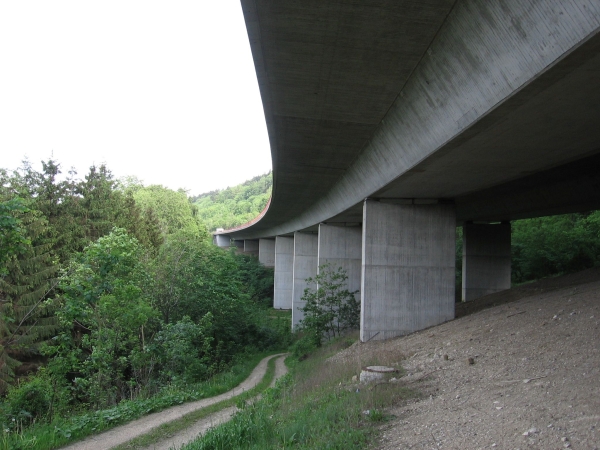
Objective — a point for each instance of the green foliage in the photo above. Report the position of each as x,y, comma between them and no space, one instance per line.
330,308
554,245
80,211
173,209
12,235
57,431
27,319
313,407
103,313
184,350
28,402
236,205
145,302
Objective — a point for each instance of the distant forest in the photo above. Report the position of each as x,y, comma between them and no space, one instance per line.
235,205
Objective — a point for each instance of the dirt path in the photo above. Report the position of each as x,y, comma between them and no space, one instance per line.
534,381
124,433
200,427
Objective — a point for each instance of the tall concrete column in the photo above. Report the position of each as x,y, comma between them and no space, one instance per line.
341,246
266,252
251,246
408,268
305,266
284,272
239,245
486,259
222,240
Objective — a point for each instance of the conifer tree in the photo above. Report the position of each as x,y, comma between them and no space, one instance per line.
27,317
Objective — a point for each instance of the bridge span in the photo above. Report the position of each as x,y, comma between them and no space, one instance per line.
392,122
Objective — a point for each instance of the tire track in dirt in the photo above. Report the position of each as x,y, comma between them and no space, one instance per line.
144,425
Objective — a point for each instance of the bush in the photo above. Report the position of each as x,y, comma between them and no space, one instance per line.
330,307
28,402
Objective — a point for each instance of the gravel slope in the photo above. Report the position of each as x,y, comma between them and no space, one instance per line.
534,381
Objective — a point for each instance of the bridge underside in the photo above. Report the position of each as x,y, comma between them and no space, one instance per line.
405,118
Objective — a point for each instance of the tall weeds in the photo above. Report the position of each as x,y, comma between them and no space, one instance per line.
316,406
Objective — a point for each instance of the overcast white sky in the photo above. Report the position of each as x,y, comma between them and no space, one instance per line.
163,90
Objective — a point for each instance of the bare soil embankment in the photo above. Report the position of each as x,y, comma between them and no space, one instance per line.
533,380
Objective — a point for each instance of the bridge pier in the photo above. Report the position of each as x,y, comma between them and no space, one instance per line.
266,252
408,268
222,240
284,272
341,246
239,245
251,246
486,259
305,266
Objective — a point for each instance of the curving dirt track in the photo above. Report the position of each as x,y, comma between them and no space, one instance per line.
200,427
125,433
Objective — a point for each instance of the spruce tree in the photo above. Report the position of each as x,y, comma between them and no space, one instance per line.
27,316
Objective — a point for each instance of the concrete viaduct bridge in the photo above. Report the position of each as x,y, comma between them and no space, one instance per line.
392,122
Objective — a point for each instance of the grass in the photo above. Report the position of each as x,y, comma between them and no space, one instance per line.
171,428
316,406
64,430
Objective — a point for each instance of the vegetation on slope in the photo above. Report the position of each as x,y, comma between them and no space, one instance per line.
236,205
316,406
112,292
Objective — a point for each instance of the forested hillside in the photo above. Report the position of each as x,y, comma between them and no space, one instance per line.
113,291
236,205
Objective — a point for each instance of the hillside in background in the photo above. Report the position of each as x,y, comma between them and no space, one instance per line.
235,205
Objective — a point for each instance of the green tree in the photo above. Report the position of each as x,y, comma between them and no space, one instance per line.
173,209
103,313
27,318
330,308
12,236
553,245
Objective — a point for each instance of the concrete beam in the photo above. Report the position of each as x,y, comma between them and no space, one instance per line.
284,272
305,266
266,252
486,259
341,246
408,268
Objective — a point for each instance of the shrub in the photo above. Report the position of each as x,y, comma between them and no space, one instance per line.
330,308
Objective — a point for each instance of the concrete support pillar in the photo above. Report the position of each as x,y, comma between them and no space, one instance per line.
341,246
305,266
284,272
266,252
251,246
239,245
222,240
486,259
408,271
